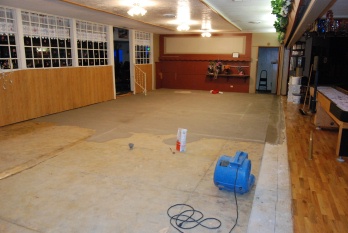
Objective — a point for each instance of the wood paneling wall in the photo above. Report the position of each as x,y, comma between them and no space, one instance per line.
193,75
189,70
39,92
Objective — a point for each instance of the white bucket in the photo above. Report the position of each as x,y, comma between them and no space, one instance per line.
296,80
296,99
295,89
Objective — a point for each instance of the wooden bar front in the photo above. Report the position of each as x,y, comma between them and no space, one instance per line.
33,93
324,106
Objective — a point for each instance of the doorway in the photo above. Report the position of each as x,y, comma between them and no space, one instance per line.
121,58
267,69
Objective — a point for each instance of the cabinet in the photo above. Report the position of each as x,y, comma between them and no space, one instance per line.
297,59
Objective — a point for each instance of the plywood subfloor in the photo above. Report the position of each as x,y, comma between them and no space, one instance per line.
99,185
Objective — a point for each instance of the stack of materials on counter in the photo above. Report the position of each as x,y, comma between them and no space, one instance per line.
294,90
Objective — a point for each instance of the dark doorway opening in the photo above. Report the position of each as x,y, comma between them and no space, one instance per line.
121,58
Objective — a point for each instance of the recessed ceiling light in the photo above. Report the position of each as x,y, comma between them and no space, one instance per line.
169,15
255,22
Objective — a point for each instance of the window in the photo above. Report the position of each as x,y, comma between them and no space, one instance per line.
46,40
8,49
91,44
142,47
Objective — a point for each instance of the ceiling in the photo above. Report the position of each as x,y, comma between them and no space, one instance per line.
224,15
243,16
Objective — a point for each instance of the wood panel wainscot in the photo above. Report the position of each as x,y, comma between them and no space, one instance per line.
146,69
184,64
194,75
33,93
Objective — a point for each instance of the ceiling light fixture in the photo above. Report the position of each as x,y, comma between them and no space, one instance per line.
206,24
137,10
206,34
183,15
183,27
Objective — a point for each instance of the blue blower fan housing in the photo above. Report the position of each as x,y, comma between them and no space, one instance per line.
232,173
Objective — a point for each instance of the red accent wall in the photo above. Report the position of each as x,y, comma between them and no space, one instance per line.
193,75
189,71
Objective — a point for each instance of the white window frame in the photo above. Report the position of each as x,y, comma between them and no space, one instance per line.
142,48
8,32
47,40
92,46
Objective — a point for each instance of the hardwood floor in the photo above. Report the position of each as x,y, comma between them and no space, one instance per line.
319,186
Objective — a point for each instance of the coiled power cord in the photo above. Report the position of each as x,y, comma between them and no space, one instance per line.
191,218
186,219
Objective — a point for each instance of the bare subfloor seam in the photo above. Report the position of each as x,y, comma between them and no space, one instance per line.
36,161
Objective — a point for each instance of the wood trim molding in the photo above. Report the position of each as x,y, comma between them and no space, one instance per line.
302,15
203,57
206,57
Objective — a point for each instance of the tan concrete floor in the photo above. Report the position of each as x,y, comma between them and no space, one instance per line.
74,171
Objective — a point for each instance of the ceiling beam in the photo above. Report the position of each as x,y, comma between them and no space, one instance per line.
292,19
315,10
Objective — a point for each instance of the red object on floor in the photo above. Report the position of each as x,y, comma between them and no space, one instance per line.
214,91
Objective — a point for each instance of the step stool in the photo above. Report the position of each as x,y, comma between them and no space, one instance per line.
263,81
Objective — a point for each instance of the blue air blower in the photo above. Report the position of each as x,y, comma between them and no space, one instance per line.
232,173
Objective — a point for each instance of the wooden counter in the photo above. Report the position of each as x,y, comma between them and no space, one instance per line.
326,97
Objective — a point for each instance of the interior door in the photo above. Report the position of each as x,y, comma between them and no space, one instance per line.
268,61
